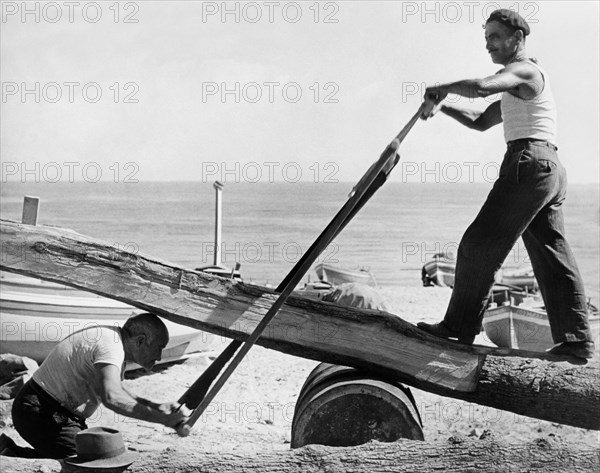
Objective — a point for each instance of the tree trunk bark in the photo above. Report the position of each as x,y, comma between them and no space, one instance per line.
532,384
456,455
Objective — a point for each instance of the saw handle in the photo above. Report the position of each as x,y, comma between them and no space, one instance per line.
183,429
431,100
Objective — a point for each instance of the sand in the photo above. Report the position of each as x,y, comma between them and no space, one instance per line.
254,410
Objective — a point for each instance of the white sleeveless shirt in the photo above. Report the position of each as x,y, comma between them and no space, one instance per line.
532,118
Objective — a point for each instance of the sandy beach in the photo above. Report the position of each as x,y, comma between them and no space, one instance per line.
253,412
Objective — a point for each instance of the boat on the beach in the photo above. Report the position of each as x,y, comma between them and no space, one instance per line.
521,277
337,275
222,271
36,315
439,271
517,319
314,290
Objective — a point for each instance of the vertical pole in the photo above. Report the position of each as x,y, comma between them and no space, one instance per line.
31,207
218,214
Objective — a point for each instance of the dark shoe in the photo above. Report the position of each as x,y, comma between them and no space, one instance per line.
442,331
583,350
6,446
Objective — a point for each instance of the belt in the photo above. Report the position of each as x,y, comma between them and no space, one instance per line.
49,399
524,141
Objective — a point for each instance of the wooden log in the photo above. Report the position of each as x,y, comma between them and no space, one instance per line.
403,456
530,384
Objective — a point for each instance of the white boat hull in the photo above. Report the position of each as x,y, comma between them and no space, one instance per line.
314,290
36,315
337,275
522,278
438,273
526,329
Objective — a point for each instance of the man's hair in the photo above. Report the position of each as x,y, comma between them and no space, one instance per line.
145,324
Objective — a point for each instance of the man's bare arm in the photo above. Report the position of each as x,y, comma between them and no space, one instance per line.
474,119
519,76
141,400
115,397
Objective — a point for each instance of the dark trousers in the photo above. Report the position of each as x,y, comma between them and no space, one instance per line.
526,200
48,427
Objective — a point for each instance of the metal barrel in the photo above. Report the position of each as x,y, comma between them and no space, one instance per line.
342,406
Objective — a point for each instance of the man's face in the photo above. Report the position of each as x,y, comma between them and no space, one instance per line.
149,350
500,41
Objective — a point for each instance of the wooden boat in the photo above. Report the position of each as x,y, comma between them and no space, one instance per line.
314,290
339,275
520,277
439,271
518,320
38,314
222,271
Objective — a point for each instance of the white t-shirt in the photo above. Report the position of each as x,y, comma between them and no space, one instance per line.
68,373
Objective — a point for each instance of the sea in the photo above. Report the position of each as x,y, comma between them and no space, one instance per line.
266,227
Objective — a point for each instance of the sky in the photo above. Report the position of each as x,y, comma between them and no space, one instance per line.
271,91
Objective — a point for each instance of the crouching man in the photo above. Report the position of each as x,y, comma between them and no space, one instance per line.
82,371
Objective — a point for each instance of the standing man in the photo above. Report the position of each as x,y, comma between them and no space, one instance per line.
82,371
526,200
